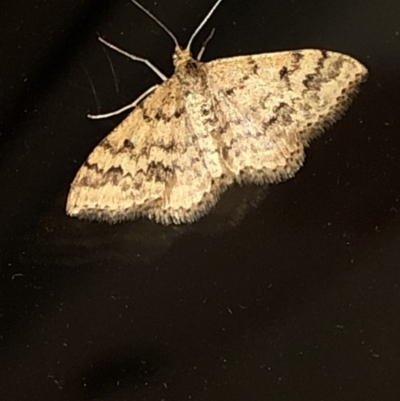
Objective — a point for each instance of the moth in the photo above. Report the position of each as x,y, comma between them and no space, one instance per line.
244,119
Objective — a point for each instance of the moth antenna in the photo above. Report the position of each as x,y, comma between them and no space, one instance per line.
155,19
207,17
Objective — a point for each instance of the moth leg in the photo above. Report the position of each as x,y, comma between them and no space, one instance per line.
204,45
129,106
135,58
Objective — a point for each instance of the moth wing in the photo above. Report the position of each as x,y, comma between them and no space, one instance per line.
149,165
275,103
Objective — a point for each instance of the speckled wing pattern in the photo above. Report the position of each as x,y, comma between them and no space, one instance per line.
245,119
150,165
276,103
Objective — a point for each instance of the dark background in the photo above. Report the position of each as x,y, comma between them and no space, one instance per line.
289,293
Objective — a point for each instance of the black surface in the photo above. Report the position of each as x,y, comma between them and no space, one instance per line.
286,294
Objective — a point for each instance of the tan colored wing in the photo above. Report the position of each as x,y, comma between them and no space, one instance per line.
150,165
275,103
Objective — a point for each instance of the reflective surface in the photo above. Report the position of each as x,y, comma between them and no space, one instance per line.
289,292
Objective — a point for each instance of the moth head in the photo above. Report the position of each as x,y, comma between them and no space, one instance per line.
181,56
